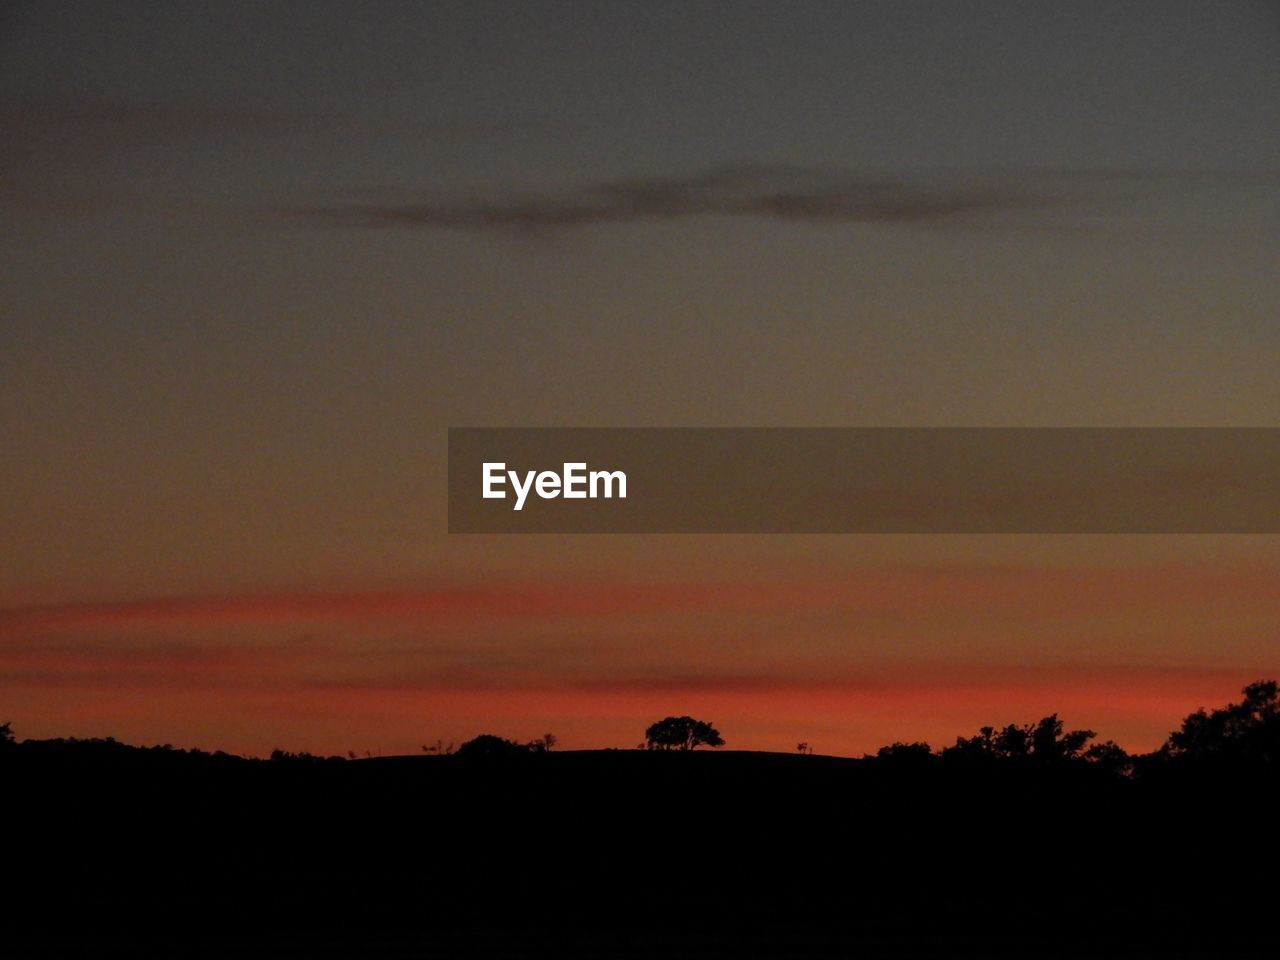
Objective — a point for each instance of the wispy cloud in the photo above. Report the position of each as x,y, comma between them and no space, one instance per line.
883,590
760,192
522,601
819,195
596,661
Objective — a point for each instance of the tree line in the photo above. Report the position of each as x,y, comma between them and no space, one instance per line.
1245,733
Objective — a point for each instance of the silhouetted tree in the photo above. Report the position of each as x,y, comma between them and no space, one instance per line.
916,752
682,733
1110,756
6,734
1248,730
285,756
1051,743
982,746
1044,741
489,745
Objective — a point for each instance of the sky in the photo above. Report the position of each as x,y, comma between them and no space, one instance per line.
257,258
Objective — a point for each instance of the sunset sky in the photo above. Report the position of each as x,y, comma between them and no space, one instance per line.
258,258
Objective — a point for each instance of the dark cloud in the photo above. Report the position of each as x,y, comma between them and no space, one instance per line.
779,193
762,192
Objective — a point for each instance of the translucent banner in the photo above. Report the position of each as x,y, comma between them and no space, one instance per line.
864,480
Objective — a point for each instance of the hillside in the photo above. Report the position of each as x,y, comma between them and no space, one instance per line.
626,853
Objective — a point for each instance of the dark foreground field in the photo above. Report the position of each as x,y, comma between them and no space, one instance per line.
117,851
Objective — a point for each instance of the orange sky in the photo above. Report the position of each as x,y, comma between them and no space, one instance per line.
254,265
848,660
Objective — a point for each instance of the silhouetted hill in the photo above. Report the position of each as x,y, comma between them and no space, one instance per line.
623,852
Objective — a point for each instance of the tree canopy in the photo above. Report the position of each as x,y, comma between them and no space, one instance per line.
1045,741
682,733
490,745
1248,730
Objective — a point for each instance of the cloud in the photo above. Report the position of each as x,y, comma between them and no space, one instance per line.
785,193
773,659
912,680
522,601
893,590
592,638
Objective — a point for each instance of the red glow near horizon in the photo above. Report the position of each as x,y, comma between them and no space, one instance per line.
596,662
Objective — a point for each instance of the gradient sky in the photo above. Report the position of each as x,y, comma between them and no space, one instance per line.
257,258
